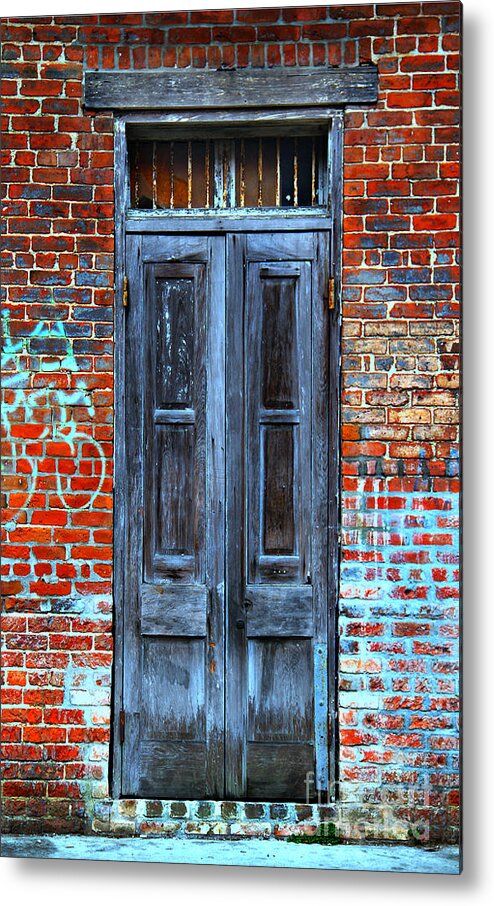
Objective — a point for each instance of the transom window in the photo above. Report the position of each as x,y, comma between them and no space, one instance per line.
218,172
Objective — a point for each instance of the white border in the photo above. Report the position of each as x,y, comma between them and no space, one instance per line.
44,882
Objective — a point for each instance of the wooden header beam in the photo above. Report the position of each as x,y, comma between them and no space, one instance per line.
295,87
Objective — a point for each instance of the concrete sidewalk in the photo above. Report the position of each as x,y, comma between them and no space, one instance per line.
266,853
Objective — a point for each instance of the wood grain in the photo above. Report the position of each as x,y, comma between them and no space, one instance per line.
242,88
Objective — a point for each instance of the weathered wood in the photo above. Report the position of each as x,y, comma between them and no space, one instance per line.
175,338
215,518
287,583
172,769
148,90
175,353
279,364
280,674
278,340
321,701
277,492
174,416
320,466
235,663
233,221
190,123
272,568
174,499
280,772
174,610
280,269
268,614
279,416
335,158
173,694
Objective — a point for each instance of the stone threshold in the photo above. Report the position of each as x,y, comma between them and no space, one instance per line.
271,853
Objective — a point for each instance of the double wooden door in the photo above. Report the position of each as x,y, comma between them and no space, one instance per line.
225,690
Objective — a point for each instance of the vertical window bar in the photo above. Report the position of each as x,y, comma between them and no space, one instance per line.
278,175
259,175
314,195
230,173
155,181
225,173
207,165
189,174
242,173
172,175
218,177
328,176
136,181
295,173
323,163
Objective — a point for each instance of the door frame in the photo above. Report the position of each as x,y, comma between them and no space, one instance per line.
221,222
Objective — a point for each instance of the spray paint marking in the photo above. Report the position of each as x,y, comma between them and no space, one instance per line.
50,409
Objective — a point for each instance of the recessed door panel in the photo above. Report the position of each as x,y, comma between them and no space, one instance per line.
280,690
174,490
173,693
279,490
175,317
279,360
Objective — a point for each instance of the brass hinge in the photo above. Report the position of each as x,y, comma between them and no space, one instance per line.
331,293
122,727
125,292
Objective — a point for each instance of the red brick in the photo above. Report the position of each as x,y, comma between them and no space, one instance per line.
423,63
409,99
419,25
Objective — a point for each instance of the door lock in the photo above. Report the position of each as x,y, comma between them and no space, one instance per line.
240,624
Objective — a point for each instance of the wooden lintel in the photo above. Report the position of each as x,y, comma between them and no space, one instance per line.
230,88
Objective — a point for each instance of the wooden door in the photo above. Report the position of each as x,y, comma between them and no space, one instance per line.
225,611
277,516
174,579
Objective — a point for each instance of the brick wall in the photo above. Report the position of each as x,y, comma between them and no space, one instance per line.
398,622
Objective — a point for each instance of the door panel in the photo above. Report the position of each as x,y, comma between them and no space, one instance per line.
277,415
280,671
174,420
175,311
278,493
277,424
173,668
227,525
278,349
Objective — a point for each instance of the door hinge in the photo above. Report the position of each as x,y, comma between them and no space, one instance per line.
331,299
125,292
122,727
